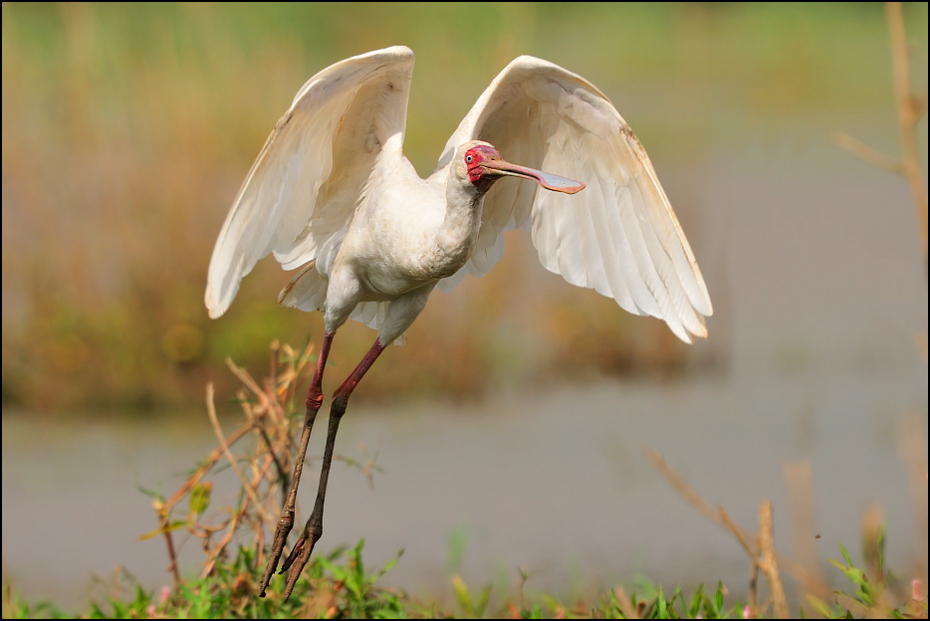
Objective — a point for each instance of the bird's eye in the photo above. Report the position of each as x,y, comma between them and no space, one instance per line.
469,159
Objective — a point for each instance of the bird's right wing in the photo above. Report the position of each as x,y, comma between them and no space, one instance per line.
618,236
302,189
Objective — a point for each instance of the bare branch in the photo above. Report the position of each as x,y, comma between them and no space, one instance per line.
229,456
720,517
910,110
913,451
868,154
768,563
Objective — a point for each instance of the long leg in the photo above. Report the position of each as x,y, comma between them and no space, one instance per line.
314,528
286,523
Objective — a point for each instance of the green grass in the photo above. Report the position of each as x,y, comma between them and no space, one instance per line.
339,586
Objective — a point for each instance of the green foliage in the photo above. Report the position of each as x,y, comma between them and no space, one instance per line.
650,602
472,605
361,599
338,586
878,594
16,608
134,608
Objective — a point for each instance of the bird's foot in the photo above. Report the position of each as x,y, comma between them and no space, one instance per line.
297,559
285,524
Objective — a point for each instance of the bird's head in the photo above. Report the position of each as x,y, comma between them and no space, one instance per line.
483,165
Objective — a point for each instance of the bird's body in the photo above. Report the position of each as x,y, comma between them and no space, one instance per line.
332,193
403,236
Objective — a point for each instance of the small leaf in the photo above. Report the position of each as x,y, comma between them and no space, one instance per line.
849,562
696,602
482,604
463,595
167,529
387,567
151,493
822,608
200,498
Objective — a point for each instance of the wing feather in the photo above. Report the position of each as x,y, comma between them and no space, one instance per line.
620,236
302,189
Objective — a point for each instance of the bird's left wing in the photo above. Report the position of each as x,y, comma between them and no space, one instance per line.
302,189
620,235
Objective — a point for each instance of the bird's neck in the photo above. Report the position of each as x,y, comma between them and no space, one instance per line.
459,229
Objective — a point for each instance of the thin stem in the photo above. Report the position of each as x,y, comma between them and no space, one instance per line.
910,111
249,490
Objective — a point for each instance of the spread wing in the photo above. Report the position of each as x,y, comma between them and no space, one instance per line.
301,192
620,235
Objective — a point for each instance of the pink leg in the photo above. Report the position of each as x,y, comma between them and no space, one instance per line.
314,529
286,523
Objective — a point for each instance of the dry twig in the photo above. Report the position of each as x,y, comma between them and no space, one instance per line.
799,481
751,545
911,108
268,410
249,490
767,560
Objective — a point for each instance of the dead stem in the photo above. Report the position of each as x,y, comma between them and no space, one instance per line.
172,556
249,383
163,509
911,108
211,411
283,475
754,590
205,467
799,483
221,546
914,453
626,606
869,155
233,524
767,560
718,516
267,407
745,539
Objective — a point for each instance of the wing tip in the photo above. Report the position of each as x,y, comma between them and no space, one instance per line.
215,307
397,51
530,61
686,325
699,330
701,333
400,50
708,309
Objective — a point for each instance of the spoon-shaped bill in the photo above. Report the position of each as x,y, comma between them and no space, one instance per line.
544,179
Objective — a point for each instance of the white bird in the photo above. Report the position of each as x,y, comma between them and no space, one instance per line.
332,193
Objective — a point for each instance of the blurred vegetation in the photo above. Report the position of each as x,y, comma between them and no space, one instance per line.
127,130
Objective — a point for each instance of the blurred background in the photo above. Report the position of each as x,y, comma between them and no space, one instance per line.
509,427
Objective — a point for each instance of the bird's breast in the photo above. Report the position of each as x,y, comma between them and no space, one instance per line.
393,256
452,248
403,268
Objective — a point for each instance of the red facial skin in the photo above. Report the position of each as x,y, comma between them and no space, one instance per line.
478,175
